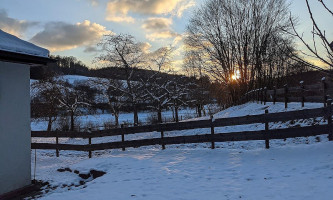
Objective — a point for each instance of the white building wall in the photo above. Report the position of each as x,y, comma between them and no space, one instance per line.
15,137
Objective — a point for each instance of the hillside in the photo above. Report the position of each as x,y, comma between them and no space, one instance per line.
106,72
298,168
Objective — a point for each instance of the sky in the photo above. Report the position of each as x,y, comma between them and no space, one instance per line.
74,27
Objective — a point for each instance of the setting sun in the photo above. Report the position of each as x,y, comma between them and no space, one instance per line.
236,75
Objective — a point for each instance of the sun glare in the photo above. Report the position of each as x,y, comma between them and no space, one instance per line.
236,75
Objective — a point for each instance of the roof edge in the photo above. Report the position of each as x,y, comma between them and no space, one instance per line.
8,56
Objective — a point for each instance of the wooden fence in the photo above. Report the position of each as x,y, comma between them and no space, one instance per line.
318,92
202,138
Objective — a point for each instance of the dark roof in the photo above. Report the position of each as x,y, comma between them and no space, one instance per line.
23,58
14,49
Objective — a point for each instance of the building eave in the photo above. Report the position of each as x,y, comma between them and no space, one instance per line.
24,58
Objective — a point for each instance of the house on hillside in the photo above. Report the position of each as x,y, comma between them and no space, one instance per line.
16,58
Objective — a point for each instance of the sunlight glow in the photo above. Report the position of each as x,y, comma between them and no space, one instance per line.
236,75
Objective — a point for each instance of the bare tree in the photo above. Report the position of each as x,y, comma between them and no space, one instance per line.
318,36
181,89
234,39
112,91
45,102
194,65
155,86
71,100
124,52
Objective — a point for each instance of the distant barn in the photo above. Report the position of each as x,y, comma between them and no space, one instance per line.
16,58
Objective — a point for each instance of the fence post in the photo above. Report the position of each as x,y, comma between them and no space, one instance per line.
285,96
89,139
266,129
89,145
122,136
302,92
324,86
274,95
212,131
265,95
329,120
258,91
162,137
57,142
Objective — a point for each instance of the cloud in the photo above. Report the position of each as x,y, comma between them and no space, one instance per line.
59,36
179,38
156,24
145,47
162,35
91,49
181,7
94,2
159,28
118,10
14,26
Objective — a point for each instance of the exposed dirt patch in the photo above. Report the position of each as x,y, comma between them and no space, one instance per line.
86,177
46,187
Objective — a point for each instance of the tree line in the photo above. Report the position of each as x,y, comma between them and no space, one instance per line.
53,97
232,47
250,44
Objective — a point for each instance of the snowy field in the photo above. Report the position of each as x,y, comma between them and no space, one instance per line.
98,120
298,168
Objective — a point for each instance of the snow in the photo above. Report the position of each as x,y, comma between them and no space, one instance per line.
74,79
293,172
98,120
12,43
296,168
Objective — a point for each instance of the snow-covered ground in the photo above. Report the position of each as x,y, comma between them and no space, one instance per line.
298,168
98,120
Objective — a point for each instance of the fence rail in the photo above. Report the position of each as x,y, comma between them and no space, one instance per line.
221,137
213,137
318,92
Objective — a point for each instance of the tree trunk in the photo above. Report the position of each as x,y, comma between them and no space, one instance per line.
175,105
176,113
199,110
159,114
72,121
135,112
49,125
116,119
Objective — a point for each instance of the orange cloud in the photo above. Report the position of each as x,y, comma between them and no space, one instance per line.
162,35
159,28
59,36
14,26
157,24
118,10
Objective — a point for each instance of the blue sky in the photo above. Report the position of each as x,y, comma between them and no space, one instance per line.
74,27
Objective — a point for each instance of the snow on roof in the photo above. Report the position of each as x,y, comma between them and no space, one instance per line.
14,44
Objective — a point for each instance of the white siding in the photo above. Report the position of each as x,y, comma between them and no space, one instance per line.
14,126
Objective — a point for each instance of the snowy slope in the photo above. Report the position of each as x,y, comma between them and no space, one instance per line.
72,79
297,168
302,172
